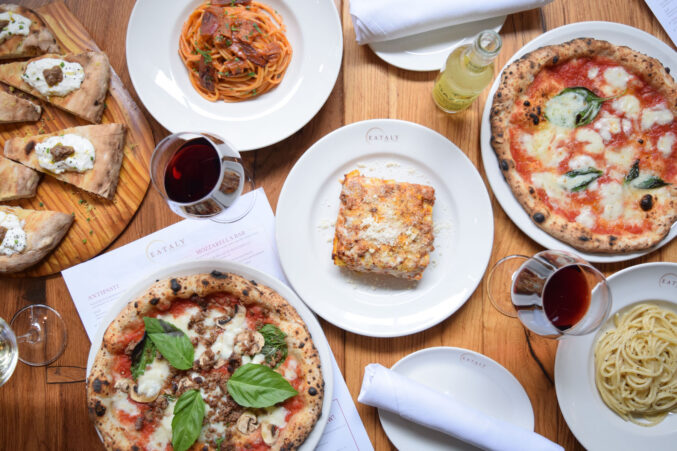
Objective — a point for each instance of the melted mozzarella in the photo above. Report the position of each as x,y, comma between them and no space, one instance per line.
544,145
82,160
592,138
162,435
592,72
290,371
223,346
623,157
617,77
561,110
572,182
181,321
657,115
153,379
627,126
73,75
18,24
258,358
607,125
665,144
549,182
628,105
581,162
15,237
586,218
121,401
275,416
611,200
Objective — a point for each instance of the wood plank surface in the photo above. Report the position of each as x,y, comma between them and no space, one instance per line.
98,221
39,413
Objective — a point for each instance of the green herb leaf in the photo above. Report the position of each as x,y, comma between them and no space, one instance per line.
171,342
258,386
591,173
142,355
574,107
257,28
651,183
205,55
275,346
189,411
633,173
219,441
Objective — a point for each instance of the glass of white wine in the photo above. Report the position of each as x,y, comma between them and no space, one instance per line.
36,335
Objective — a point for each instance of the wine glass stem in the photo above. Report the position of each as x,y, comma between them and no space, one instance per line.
33,336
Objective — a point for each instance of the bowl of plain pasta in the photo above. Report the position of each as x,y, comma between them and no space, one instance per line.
617,388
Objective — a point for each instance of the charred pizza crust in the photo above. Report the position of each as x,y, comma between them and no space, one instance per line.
15,106
512,88
159,298
38,41
44,230
87,102
108,141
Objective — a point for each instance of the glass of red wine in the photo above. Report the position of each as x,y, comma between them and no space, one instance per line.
201,176
554,293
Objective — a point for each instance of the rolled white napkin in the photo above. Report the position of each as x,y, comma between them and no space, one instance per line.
383,20
386,389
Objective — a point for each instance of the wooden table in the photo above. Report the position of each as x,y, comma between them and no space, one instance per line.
37,415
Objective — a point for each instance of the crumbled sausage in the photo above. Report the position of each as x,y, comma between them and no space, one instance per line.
138,424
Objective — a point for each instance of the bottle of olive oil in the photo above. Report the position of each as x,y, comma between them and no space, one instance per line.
469,69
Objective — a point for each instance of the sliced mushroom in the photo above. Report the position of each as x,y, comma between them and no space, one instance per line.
247,423
141,397
185,384
123,385
269,433
222,321
220,363
249,342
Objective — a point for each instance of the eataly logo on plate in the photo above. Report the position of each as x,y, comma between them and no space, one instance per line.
377,135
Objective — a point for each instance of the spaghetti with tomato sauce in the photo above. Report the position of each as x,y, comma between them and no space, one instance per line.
234,50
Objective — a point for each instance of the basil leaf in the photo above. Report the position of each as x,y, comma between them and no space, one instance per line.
142,355
189,411
574,107
633,173
275,347
205,55
651,183
258,386
591,173
171,342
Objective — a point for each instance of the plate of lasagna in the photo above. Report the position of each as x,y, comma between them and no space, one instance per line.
384,228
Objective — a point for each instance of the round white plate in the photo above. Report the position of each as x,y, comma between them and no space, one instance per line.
595,425
161,79
615,33
377,305
471,378
206,266
429,50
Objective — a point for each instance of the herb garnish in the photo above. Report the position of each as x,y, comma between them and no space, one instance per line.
275,346
633,173
592,173
651,183
189,411
258,386
142,355
171,342
590,106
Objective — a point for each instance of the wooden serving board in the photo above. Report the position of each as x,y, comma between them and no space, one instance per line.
98,221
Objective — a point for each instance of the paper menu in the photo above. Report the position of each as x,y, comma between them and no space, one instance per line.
97,283
666,13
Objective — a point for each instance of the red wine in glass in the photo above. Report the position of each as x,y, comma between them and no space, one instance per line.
193,171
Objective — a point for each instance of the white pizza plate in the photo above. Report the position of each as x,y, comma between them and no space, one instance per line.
428,51
377,305
472,379
161,79
595,425
207,266
615,33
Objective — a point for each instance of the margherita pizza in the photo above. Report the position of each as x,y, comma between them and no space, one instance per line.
206,362
586,137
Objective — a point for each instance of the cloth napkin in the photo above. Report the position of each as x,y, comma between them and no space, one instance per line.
383,20
386,389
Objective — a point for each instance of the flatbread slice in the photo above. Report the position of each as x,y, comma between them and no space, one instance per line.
86,100
102,179
16,180
43,231
16,107
23,33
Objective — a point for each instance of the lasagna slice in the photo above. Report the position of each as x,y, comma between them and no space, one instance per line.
384,226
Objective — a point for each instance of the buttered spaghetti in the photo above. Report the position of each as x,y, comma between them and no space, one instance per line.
234,50
636,364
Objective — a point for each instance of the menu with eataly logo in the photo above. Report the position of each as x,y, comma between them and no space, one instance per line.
250,241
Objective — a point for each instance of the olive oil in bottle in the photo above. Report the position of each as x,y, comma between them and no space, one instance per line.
468,70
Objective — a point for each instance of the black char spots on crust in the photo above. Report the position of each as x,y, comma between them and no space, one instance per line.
513,83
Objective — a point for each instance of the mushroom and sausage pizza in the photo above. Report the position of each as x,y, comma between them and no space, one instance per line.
586,137
206,362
